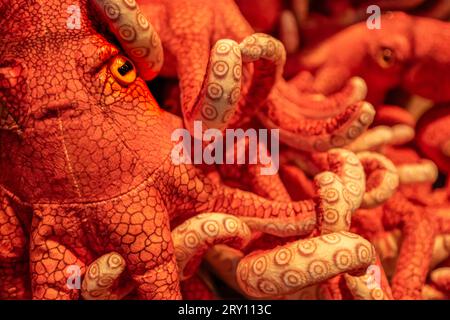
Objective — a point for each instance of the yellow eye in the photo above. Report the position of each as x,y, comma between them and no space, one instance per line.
123,70
386,58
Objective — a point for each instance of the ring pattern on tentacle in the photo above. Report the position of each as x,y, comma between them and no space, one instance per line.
102,277
336,210
347,166
222,88
195,236
268,57
135,33
265,274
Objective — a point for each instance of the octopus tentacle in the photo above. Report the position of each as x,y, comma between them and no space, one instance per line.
316,135
377,137
424,171
101,281
336,208
382,178
330,190
135,33
268,57
219,97
297,265
319,106
195,236
191,241
345,165
332,205
392,115
294,218
418,234
349,168
373,285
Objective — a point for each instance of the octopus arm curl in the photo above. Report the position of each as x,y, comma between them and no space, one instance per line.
195,236
382,179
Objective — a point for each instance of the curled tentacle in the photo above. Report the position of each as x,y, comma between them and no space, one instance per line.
346,166
319,106
382,179
102,279
268,57
192,239
340,188
315,135
135,33
195,236
332,207
425,171
302,263
221,90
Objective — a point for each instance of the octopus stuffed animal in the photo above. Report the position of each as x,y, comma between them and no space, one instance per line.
85,164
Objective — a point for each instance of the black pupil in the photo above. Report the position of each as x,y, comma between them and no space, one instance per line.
387,55
125,68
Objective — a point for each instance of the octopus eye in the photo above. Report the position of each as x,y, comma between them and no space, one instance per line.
123,70
386,57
